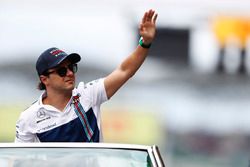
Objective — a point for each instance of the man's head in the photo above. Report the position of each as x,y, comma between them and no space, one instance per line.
51,60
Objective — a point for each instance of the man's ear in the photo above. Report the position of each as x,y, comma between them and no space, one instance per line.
44,79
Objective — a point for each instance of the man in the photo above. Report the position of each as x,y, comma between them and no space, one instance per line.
64,113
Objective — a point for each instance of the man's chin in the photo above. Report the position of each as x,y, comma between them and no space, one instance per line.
70,86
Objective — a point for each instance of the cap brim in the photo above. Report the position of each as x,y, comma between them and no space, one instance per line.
73,58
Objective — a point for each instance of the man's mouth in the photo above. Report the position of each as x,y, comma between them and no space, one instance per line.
70,80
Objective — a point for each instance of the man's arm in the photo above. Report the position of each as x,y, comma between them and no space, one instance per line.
22,134
133,62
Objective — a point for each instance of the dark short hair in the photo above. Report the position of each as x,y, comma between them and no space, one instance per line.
41,86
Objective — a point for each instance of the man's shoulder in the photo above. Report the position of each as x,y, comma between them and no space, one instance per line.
31,110
91,84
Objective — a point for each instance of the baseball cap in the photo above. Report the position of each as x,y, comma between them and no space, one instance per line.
52,57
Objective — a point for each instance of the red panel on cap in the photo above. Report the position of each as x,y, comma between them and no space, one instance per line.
56,52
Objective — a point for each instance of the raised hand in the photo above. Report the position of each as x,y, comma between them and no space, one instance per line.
147,27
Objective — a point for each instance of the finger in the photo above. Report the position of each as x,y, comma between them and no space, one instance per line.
151,13
144,19
149,16
155,17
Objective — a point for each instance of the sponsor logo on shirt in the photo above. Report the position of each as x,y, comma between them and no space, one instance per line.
47,127
40,114
42,119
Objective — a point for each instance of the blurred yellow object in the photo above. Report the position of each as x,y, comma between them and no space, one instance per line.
8,117
135,127
226,27
119,125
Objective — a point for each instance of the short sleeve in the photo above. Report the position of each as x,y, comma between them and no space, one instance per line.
94,91
22,132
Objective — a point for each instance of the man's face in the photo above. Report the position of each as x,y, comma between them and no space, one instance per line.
61,78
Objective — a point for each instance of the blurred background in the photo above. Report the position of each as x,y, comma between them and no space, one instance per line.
190,97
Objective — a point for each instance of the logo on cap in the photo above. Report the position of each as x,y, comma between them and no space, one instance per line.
56,52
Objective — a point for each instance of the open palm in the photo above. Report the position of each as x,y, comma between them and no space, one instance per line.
147,27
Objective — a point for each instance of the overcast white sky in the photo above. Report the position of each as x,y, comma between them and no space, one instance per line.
96,28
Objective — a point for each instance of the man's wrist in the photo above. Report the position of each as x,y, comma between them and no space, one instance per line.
144,45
